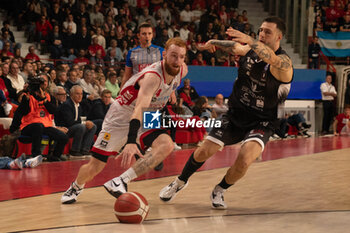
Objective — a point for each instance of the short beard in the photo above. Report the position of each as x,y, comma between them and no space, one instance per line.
169,70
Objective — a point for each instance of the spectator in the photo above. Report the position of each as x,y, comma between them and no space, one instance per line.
328,94
146,16
69,116
69,39
165,13
111,9
163,38
31,55
56,15
314,54
6,50
112,84
184,32
6,108
94,47
81,60
34,117
69,22
318,25
171,30
333,26
186,15
185,98
193,93
20,163
219,107
42,28
341,124
192,52
27,71
345,25
333,12
82,13
73,79
96,17
97,59
199,60
56,42
99,109
16,79
100,38
61,78
86,83
118,52
82,39
6,27
60,96
296,120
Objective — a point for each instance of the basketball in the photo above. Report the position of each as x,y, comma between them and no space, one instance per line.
131,207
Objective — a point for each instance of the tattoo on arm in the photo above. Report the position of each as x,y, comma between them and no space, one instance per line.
226,45
281,62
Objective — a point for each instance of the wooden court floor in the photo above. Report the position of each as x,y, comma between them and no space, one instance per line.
306,193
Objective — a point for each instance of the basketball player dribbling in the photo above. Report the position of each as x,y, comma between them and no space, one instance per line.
264,76
150,88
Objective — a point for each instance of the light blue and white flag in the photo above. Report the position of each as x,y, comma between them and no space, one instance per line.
335,44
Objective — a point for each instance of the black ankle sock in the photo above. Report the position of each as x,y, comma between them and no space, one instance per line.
191,167
223,184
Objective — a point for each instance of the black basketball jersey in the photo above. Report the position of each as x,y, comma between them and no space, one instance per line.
256,92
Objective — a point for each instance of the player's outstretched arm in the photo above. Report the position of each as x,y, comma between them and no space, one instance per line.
226,45
148,86
281,65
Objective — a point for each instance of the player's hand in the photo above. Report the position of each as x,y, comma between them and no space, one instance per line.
172,99
128,153
238,36
207,46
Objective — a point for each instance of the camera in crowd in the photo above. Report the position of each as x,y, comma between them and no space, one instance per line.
34,84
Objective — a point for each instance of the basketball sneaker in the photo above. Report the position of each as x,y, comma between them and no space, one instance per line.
71,195
34,162
170,191
116,187
217,198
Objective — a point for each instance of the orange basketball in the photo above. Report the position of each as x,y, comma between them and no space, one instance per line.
131,207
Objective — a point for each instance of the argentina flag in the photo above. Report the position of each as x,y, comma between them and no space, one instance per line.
335,44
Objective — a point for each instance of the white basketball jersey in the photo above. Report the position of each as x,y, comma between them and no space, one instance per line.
121,110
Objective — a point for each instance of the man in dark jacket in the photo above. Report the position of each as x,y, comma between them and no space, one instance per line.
99,109
69,116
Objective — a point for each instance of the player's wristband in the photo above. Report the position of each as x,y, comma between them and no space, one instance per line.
134,127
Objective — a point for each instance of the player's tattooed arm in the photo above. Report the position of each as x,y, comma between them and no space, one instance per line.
226,45
281,62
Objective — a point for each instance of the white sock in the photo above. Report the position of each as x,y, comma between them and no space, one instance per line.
80,186
128,175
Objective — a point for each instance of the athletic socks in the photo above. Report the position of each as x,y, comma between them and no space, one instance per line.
191,167
128,175
223,184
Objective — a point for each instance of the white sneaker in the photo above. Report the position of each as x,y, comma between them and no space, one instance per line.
177,147
116,187
16,164
34,162
170,191
217,198
71,195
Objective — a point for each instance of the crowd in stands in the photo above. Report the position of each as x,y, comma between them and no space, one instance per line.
88,42
327,15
